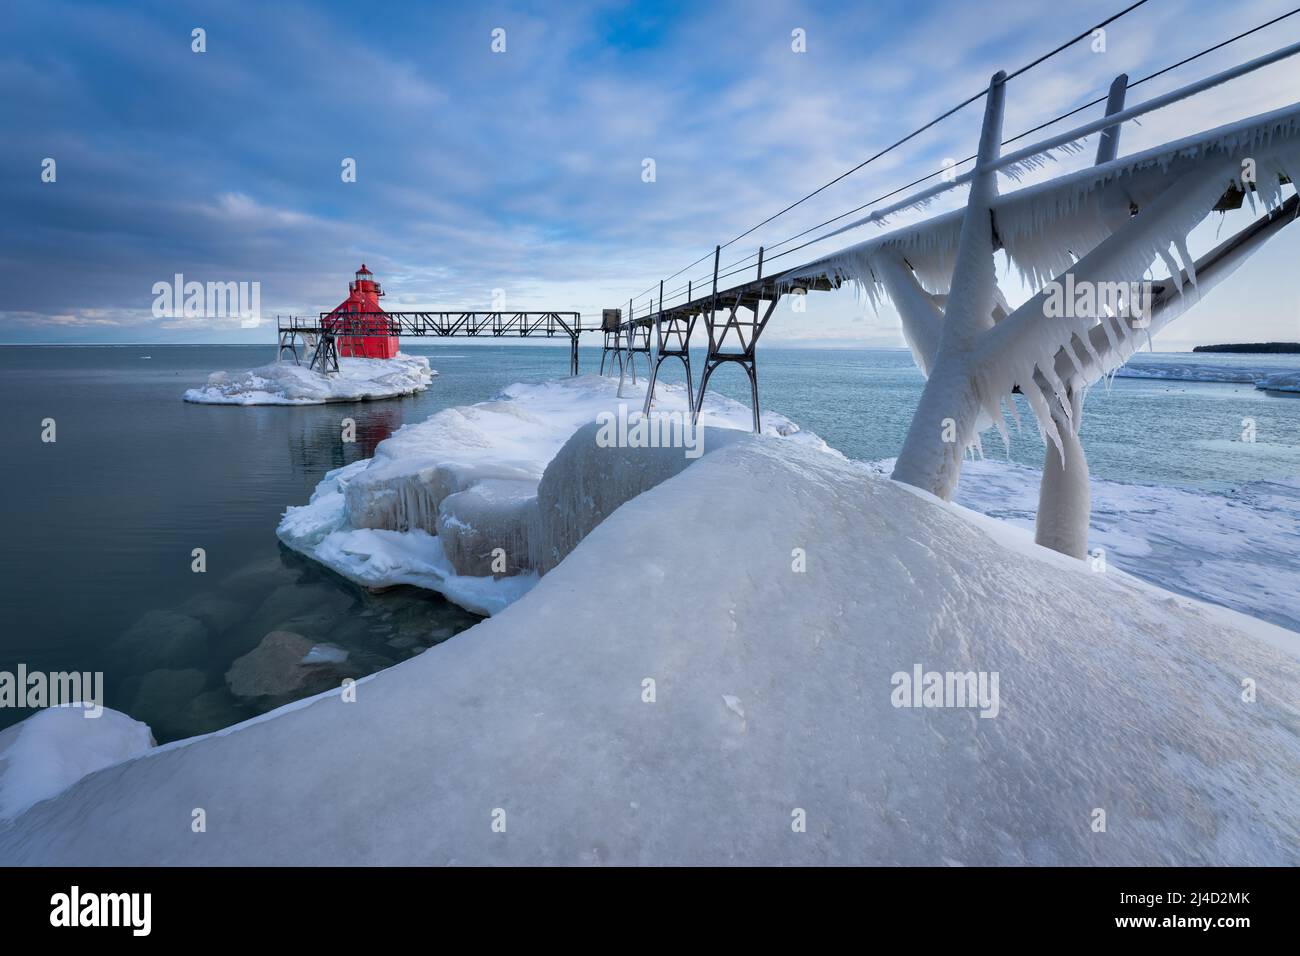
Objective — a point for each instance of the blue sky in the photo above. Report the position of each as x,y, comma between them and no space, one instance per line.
522,170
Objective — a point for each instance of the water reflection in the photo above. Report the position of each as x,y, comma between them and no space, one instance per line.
317,445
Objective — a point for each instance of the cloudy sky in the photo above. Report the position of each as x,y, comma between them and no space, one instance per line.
522,170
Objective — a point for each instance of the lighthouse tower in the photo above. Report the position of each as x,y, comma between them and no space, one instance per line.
363,297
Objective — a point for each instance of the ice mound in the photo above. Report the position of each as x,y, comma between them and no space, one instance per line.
716,661
282,383
53,749
587,482
446,502
1280,382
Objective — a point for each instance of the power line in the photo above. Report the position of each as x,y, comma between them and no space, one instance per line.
1018,136
912,135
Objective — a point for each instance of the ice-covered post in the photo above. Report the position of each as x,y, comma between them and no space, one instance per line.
622,364
1064,495
944,423
921,317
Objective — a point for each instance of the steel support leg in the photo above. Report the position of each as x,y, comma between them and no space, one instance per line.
747,358
704,385
654,376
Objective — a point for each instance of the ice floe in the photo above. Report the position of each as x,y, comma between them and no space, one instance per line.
284,383
1273,378
1280,382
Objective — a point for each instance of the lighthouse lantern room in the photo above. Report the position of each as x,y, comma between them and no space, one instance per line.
363,298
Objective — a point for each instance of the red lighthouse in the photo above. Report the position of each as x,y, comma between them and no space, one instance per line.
363,297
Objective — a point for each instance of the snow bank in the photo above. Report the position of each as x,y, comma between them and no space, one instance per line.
440,497
53,749
358,379
677,691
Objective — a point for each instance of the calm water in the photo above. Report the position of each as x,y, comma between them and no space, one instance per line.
100,525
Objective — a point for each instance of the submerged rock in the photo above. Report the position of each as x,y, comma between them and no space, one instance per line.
279,667
162,638
161,696
257,578
217,614
211,710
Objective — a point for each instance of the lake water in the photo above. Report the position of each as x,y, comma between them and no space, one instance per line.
101,524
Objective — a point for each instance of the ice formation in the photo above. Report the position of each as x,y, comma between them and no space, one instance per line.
587,482
1044,228
1194,371
1080,222
444,500
284,383
1270,378
53,749
1280,382
772,694
1099,227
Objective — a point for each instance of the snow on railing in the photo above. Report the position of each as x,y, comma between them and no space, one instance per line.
1066,140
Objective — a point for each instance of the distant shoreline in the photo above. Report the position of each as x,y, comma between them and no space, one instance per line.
1253,348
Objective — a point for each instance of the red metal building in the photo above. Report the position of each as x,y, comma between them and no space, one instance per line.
363,296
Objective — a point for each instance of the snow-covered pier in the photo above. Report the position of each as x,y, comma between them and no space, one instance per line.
1097,229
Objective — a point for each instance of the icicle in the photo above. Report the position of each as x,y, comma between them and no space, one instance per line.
1045,421
1188,262
1073,356
994,412
1057,387
1010,402
1175,270
1110,332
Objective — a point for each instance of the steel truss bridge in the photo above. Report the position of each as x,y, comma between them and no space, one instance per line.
319,336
